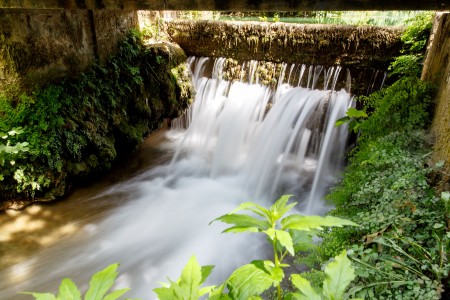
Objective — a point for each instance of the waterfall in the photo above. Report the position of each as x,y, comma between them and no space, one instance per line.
240,141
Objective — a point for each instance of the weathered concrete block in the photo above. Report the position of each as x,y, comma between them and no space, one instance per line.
37,45
437,70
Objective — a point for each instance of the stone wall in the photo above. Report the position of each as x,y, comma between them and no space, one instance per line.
437,70
38,46
363,50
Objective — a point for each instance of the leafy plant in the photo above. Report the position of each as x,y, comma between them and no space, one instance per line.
286,236
99,285
354,118
338,276
187,287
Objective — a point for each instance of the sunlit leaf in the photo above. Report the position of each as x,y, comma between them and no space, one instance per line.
101,282
68,290
305,289
238,229
251,206
206,271
279,208
338,275
244,221
248,281
307,223
285,240
116,294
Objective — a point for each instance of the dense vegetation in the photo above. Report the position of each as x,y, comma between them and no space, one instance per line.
401,249
76,129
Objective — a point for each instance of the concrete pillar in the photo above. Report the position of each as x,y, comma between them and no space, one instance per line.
437,70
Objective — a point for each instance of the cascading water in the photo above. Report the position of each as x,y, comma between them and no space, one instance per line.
244,141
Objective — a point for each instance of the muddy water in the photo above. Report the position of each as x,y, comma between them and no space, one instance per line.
41,225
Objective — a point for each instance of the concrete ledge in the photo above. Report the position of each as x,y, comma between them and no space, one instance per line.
362,46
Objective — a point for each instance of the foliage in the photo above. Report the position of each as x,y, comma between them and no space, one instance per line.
401,107
414,38
9,152
286,236
99,285
77,128
187,287
338,276
402,245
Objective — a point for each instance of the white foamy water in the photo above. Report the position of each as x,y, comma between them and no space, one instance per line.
235,149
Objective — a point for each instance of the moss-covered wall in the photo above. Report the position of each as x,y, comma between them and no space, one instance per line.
362,49
76,129
364,46
437,70
38,45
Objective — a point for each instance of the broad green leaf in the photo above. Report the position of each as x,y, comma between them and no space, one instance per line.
206,271
251,206
248,281
277,274
338,275
302,240
116,294
307,223
285,240
244,221
305,288
101,282
355,113
205,290
41,296
217,293
164,293
341,121
68,290
279,208
191,277
238,229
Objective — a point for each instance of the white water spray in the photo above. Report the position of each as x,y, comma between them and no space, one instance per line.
235,149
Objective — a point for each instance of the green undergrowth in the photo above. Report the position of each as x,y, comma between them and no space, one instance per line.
76,129
402,246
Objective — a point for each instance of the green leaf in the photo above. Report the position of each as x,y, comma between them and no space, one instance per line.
248,281
307,223
116,294
302,240
279,208
101,282
206,271
68,290
285,240
342,121
251,206
164,293
41,296
244,221
304,287
338,275
355,113
190,280
238,229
